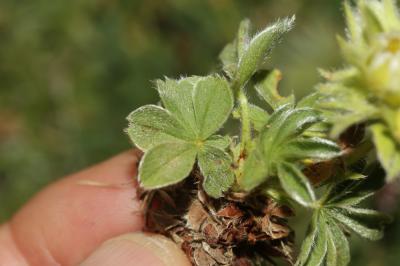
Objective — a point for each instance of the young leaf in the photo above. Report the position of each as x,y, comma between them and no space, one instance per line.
296,184
243,36
255,171
166,164
316,148
215,165
281,141
212,102
258,116
229,59
258,49
388,151
152,125
267,88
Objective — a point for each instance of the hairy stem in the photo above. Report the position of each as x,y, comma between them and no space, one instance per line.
245,120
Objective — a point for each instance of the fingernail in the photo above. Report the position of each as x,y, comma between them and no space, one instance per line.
137,249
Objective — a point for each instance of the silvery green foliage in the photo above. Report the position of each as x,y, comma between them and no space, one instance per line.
175,136
278,141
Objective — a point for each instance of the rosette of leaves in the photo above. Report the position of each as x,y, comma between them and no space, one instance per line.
367,90
175,136
335,216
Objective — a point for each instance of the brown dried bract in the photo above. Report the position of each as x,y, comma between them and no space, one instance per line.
227,231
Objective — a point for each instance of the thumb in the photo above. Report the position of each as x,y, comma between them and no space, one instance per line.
137,249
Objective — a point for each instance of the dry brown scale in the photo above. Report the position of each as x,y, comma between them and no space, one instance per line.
239,231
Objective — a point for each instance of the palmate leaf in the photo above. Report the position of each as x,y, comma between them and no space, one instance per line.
337,211
325,243
281,146
172,138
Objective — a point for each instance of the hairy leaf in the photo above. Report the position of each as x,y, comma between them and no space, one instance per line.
229,59
258,116
212,102
219,142
177,97
255,171
267,88
325,243
338,252
320,247
309,241
296,184
166,164
215,165
259,48
316,148
366,223
152,125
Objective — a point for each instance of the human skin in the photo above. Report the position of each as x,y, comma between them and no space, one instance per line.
88,218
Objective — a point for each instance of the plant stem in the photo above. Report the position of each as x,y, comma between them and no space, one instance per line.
245,120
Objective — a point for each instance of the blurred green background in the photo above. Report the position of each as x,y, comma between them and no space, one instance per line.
70,72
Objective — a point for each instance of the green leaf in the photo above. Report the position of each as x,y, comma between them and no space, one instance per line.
325,243
166,164
349,192
267,88
281,141
366,223
296,184
212,102
152,125
320,247
284,125
316,148
215,165
229,59
388,150
255,171
219,142
296,122
259,48
243,37
308,242
258,117
338,252
177,97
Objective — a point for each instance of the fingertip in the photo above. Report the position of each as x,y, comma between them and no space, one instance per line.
137,249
